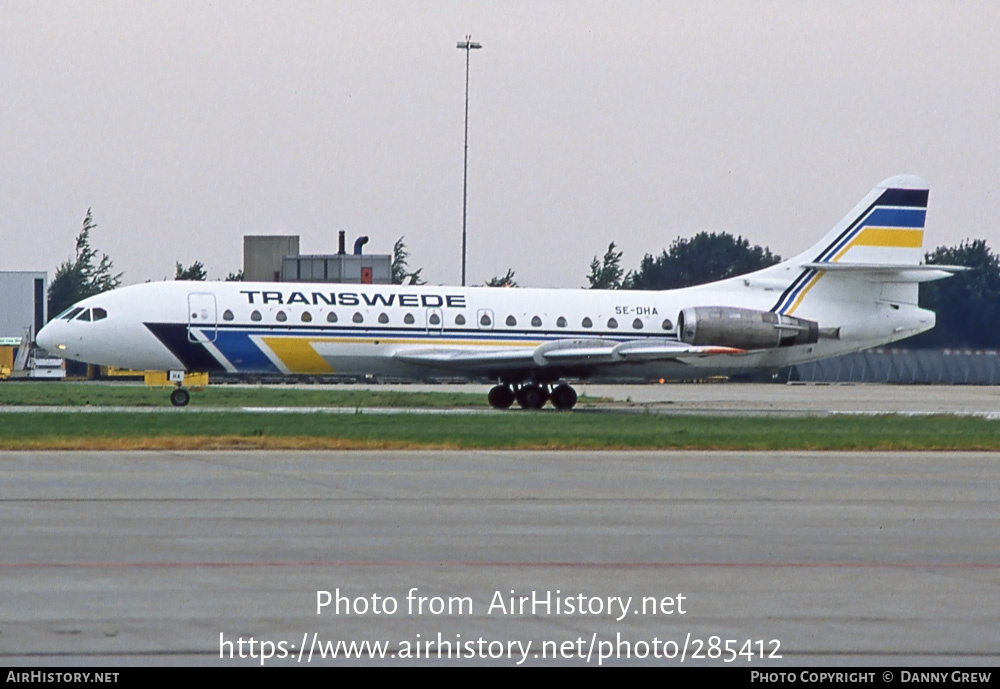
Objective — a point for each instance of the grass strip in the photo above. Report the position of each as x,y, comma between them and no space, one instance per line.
504,431
110,395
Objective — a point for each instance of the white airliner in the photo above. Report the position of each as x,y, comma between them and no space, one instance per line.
856,288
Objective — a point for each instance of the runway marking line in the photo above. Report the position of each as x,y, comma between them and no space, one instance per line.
457,564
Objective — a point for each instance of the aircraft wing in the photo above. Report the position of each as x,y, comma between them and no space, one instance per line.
575,353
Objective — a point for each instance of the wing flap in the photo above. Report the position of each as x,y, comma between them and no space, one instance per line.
666,350
464,358
590,352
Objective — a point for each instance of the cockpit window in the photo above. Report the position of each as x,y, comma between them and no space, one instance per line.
70,314
85,316
100,314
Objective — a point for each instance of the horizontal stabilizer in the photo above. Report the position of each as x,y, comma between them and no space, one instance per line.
889,272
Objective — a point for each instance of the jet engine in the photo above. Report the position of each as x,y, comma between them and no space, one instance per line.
727,326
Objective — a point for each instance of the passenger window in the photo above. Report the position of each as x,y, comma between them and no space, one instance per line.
408,319
383,318
306,317
459,319
561,322
485,321
358,318
667,325
511,320
536,322
281,317
637,324
255,316
587,323
100,314
85,316
612,323
331,317
434,319
227,315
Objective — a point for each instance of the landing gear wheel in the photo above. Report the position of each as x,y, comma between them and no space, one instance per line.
563,397
531,397
180,397
501,397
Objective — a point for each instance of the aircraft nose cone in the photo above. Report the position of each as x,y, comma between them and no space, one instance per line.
46,339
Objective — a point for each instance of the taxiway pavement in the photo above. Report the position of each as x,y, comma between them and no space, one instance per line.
171,558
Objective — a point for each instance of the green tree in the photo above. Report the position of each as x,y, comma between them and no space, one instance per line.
84,276
505,281
399,268
235,277
606,273
967,304
196,271
706,257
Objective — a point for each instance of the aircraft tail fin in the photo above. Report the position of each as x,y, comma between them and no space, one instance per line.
879,241
886,227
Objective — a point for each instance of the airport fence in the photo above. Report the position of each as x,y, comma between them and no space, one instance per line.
902,366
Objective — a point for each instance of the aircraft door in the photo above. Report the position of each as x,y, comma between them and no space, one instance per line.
202,317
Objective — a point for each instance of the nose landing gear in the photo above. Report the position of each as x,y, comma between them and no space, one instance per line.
179,397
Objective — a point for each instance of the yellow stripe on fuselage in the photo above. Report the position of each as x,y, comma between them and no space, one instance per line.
297,354
903,238
805,290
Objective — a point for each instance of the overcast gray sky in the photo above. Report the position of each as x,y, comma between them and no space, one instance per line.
185,125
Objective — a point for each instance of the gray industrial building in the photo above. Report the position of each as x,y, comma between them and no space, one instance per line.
23,303
276,258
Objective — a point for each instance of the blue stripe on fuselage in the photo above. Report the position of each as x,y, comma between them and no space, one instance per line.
242,353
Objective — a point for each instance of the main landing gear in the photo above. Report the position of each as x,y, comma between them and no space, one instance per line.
532,396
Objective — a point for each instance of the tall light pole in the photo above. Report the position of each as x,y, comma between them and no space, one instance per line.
468,46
